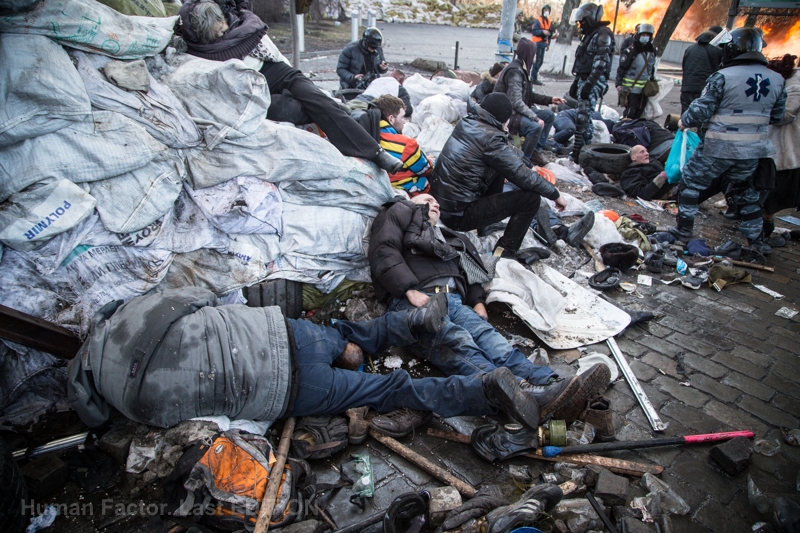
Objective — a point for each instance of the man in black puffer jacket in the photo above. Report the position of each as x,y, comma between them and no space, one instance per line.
699,62
468,178
644,179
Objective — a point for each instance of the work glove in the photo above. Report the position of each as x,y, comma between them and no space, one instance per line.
488,498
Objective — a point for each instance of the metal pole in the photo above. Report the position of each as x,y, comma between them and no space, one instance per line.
734,9
370,19
505,47
301,30
455,61
355,22
649,411
616,12
295,35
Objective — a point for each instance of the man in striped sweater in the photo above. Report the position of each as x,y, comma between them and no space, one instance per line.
385,120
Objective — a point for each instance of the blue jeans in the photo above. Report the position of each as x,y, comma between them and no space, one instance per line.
535,135
322,389
468,345
538,61
565,129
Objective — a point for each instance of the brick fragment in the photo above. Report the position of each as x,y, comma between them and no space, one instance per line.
734,455
611,488
117,442
44,475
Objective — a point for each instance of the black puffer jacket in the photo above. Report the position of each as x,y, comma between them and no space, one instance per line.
404,254
637,180
475,154
355,59
699,62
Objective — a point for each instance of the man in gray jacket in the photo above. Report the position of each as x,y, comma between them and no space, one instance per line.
163,358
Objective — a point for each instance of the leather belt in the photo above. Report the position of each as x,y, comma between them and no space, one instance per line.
436,289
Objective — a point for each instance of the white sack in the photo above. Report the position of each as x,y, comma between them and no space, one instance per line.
437,105
39,87
50,256
90,26
104,145
220,272
132,201
184,229
420,88
411,130
434,134
228,99
653,108
531,299
564,174
609,113
601,134
323,231
32,217
603,232
455,88
241,205
157,110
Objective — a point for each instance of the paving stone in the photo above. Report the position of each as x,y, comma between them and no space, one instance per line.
634,525
718,341
393,488
653,328
665,365
682,483
656,397
611,488
733,456
691,343
117,442
782,385
735,418
764,411
749,386
620,402
712,482
687,395
415,475
677,324
747,340
717,517
714,387
660,345
740,365
704,365
786,403
44,475
630,348
643,372
746,327
790,359
636,427
752,356
460,460
692,418
784,370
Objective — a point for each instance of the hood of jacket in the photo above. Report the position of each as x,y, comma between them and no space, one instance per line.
705,37
245,30
486,76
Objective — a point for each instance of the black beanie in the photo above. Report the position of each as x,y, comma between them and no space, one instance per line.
498,105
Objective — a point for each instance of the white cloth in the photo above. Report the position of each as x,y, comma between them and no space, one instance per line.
786,135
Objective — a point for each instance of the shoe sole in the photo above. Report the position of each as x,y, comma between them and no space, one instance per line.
592,384
566,395
513,400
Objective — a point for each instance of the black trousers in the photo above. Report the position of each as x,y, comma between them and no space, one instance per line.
635,107
686,99
344,133
495,206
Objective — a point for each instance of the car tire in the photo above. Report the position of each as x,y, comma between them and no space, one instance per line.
13,493
288,295
605,157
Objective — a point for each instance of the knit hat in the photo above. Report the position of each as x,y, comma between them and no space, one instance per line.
498,105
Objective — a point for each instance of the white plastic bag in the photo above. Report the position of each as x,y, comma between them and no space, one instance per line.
228,99
653,108
91,26
609,113
601,134
39,87
34,216
241,205
433,136
438,105
420,88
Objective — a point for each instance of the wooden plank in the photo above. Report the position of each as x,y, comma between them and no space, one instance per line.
38,333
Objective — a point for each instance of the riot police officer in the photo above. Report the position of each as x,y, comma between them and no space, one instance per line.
592,68
362,61
636,67
737,104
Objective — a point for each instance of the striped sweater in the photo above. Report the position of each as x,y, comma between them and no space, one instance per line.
416,167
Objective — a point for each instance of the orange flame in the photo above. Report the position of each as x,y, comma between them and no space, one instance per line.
782,34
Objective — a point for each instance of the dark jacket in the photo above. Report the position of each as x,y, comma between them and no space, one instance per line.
404,254
244,33
355,59
637,180
515,83
699,62
485,87
477,152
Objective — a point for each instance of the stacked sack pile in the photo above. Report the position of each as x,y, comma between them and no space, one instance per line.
127,168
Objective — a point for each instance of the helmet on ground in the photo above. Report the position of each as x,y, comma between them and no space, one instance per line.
372,37
645,28
741,41
587,15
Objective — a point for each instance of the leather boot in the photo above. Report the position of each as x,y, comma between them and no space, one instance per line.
760,246
553,396
388,162
684,230
578,231
494,442
599,414
400,422
732,212
503,392
769,227
592,383
358,427
430,317
543,228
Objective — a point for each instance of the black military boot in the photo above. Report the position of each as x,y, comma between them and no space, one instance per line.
578,231
430,317
543,228
504,393
684,230
732,212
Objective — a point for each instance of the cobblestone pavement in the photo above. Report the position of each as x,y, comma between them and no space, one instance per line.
711,361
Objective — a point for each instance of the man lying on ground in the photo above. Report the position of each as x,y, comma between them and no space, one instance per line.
644,179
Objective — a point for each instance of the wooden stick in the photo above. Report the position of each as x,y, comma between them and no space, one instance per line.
275,476
618,466
436,471
598,264
744,264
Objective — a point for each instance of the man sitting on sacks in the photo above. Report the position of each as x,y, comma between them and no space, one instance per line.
413,260
220,30
167,357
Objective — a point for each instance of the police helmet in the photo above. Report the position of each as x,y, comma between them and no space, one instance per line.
645,28
372,37
587,15
741,41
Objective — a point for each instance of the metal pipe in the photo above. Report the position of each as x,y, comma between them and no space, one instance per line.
641,396
54,446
